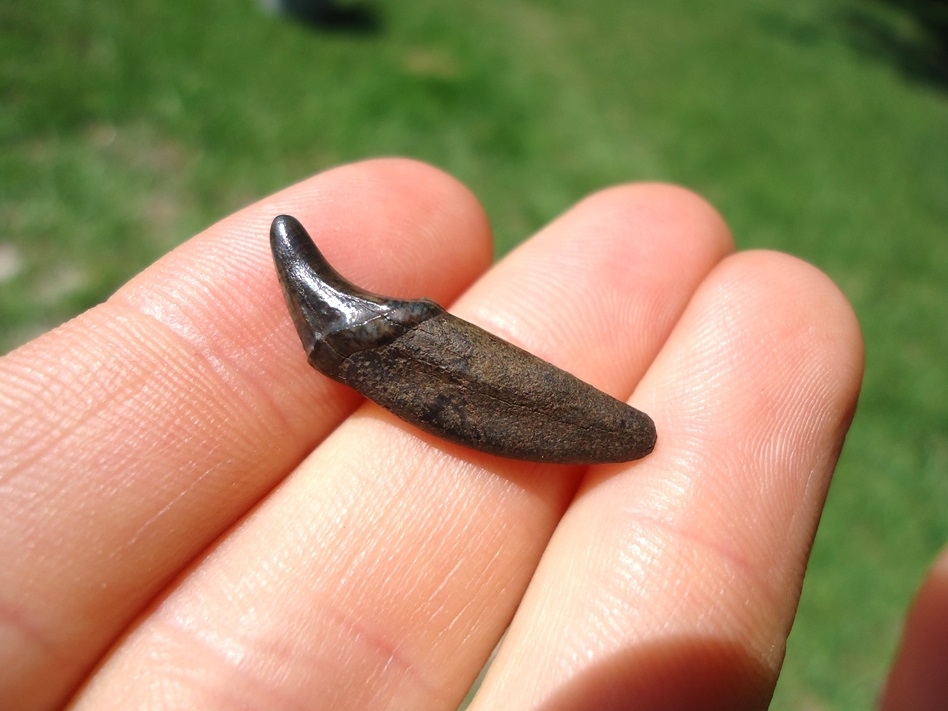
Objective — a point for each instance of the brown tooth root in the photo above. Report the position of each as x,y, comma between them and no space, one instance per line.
447,376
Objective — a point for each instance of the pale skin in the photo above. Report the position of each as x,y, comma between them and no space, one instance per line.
191,517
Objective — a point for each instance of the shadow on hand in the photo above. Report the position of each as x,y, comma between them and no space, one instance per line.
684,673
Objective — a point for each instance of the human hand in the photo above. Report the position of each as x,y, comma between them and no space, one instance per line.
193,518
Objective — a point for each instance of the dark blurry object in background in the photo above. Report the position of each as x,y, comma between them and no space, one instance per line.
931,14
327,13
917,45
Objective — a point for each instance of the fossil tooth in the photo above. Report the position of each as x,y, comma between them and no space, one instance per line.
444,375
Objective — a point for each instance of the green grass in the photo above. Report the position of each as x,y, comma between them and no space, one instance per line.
126,127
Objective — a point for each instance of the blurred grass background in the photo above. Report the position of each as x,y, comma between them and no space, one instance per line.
818,127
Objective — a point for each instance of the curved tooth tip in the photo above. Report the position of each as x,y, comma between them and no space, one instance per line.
286,230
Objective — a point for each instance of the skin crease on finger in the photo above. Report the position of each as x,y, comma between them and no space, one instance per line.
133,436
381,577
674,583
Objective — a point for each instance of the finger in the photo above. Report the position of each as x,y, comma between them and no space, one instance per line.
134,435
674,583
919,676
385,569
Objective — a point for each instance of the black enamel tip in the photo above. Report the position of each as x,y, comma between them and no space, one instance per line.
295,257
325,307
292,246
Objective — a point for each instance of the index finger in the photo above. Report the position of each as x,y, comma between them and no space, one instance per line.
133,436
